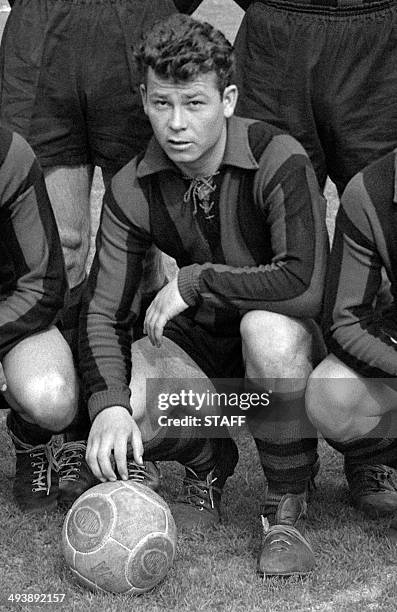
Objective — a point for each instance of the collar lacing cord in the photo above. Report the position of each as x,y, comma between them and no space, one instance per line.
195,489
44,455
199,192
71,456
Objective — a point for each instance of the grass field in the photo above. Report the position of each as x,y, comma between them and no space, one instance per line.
356,564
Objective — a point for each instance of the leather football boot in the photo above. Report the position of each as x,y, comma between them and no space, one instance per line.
285,551
373,489
198,505
35,485
148,474
75,476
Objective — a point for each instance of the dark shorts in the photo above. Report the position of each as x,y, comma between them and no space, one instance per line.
217,356
68,79
327,75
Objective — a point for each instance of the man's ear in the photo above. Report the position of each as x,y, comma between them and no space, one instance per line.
142,89
229,99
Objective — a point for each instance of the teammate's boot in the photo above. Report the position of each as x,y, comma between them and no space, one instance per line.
35,485
373,489
75,476
198,505
285,550
148,474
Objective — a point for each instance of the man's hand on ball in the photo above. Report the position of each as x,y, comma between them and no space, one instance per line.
110,433
167,304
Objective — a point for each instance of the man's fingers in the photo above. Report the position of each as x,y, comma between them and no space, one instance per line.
104,461
120,457
91,457
154,326
147,325
158,329
137,445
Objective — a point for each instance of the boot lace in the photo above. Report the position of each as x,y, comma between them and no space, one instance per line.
71,455
198,492
42,462
136,472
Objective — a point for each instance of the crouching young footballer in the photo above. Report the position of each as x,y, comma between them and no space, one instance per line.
352,394
236,203
37,376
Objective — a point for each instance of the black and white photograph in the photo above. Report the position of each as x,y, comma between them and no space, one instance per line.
198,305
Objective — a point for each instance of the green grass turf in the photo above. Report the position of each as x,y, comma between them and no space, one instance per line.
356,565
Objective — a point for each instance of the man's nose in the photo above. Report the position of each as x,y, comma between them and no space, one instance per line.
178,119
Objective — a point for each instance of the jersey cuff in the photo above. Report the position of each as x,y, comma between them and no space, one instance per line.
188,284
105,399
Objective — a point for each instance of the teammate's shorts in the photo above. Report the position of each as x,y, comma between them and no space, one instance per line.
217,356
68,82
221,356
326,74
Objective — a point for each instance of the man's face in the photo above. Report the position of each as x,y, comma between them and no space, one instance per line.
189,119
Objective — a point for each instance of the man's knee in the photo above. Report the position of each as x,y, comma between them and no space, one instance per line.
49,400
332,399
274,344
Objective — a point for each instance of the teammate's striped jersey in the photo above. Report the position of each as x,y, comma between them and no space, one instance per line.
261,244
184,6
32,275
344,5
365,240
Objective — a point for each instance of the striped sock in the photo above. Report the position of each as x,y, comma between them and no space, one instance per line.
377,447
200,454
286,442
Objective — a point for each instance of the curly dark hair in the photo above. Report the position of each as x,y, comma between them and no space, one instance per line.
181,48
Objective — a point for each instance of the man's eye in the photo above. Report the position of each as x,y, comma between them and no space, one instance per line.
195,103
160,103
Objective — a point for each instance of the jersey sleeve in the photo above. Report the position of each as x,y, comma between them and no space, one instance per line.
109,306
33,283
352,328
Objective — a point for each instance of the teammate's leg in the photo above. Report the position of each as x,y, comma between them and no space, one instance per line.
42,392
358,417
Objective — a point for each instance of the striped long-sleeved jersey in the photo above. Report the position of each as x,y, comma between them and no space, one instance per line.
32,275
184,6
265,249
365,240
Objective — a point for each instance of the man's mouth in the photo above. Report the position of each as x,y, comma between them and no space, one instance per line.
178,143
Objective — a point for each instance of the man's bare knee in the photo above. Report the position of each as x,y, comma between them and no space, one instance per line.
332,401
50,400
274,345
